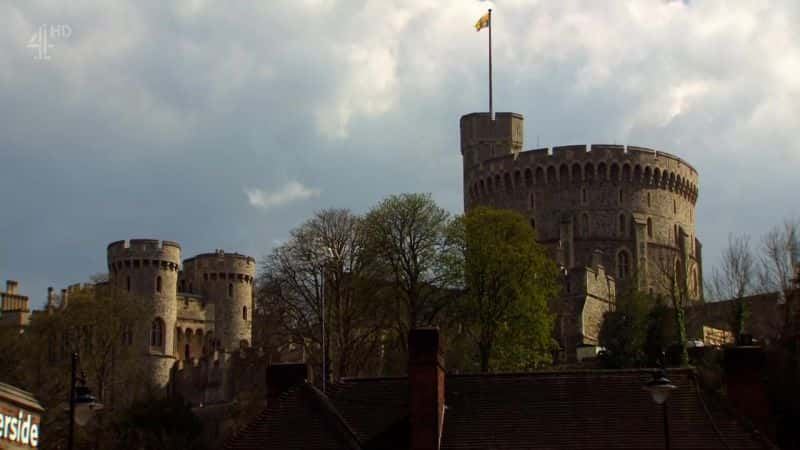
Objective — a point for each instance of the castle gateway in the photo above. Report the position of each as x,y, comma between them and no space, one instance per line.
612,216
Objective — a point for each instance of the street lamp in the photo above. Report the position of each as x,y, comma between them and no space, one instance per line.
82,403
329,254
660,388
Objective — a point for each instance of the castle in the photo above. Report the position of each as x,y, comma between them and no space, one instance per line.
610,215
197,306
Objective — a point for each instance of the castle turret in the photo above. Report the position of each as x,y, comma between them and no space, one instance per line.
226,279
148,270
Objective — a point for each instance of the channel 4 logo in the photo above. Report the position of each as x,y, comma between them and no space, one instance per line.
45,37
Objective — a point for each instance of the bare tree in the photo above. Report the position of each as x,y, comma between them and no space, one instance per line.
780,252
409,241
323,261
671,276
735,279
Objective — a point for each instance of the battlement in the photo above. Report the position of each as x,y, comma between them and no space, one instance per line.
220,254
569,153
584,164
143,253
221,265
142,245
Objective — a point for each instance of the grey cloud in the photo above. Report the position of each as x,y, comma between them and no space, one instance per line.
152,117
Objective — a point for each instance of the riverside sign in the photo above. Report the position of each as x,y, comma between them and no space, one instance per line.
20,419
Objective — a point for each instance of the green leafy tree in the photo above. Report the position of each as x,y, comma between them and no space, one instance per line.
509,279
624,331
98,323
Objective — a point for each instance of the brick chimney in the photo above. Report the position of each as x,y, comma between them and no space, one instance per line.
745,384
426,385
282,377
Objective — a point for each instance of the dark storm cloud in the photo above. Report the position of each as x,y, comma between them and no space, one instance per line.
158,120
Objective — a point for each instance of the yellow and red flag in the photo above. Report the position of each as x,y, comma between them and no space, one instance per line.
483,22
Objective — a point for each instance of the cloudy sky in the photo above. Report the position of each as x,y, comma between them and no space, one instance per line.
225,124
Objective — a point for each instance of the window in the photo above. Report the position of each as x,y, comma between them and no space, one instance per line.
533,223
622,224
649,227
584,225
127,334
158,284
244,312
648,200
532,201
674,206
230,289
157,333
623,264
619,197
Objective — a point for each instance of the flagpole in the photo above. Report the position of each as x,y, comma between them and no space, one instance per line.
491,106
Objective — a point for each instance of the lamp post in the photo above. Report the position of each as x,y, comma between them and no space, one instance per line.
322,325
82,403
323,342
660,388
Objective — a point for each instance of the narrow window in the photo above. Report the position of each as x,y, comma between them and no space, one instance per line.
585,225
533,201
244,312
622,264
157,333
230,290
619,198
128,283
583,195
674,206
158,284
649,227
622,224
648,200
533,222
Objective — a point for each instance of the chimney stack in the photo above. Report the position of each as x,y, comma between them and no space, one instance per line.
11,287
426,384
51,297
282,377
64,298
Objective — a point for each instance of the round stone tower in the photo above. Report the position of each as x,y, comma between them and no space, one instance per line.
634,204
148,270
225,280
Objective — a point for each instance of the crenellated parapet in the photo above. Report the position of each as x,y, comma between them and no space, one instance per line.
143,254
590,166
